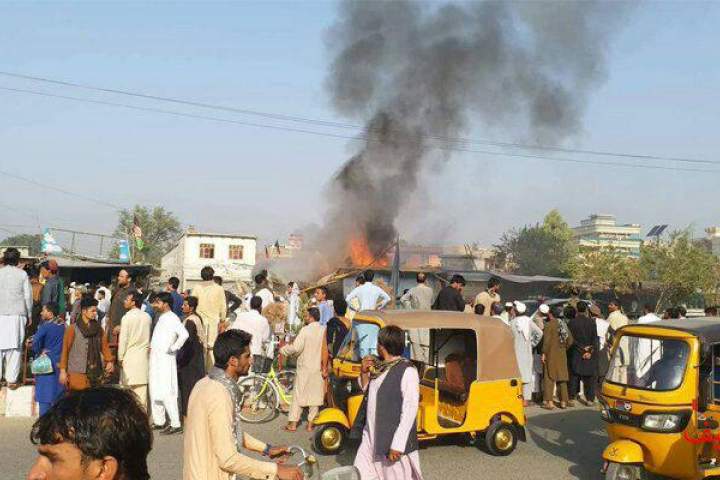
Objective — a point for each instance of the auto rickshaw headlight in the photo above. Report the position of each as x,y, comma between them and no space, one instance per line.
665,422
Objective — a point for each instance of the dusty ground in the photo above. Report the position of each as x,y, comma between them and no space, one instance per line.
561,445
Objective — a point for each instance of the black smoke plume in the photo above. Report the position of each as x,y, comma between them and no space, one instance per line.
416,74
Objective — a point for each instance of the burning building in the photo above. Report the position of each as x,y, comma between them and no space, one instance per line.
419,75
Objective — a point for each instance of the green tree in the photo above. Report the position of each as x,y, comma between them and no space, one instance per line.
542,249
556,225
600,269
680,269
160,230
25,240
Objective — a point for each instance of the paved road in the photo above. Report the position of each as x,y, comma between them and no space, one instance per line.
561,445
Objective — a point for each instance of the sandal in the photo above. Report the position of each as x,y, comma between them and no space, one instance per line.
290,429
548,406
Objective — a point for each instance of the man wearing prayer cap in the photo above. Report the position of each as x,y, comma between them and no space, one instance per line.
540,315
527,336
539,318
506,315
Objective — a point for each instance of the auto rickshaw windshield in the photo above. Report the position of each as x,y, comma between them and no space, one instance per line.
648,363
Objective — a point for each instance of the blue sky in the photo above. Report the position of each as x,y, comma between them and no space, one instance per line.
661,97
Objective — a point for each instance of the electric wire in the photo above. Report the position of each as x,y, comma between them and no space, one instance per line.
341,136
60,190
328,123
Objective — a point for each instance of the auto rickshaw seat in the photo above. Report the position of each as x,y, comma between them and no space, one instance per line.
455,386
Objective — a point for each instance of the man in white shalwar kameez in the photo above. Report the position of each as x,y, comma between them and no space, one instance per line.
647,351
312,369
527,335
168,337
15,309
389,447
539,318
293,297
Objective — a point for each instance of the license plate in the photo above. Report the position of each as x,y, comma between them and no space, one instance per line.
623,406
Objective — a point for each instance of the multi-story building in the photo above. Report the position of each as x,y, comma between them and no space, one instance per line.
601,231
231,256
468,258
714,237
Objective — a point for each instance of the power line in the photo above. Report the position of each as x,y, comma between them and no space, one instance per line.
63,191
328,123
274,116
179,114
334,135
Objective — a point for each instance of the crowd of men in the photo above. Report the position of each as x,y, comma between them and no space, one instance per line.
179,355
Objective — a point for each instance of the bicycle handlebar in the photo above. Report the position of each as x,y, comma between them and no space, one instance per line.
309,462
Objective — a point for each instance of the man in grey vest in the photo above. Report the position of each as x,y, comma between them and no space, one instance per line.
389,447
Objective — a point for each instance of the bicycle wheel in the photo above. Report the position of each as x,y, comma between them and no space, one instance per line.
259,399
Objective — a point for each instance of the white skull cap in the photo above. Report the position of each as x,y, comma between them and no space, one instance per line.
544,309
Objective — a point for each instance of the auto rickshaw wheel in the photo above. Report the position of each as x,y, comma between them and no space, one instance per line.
620,471
500,439
330,439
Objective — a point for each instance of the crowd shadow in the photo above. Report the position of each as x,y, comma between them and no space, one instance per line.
347,457
576,436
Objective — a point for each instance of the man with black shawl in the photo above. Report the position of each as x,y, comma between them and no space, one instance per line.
583,354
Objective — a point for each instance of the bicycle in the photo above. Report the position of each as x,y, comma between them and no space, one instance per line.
263,392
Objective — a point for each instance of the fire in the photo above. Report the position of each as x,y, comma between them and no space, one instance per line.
362,256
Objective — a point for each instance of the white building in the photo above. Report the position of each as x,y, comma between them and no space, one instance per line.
714,237
24,251
598,231
231,256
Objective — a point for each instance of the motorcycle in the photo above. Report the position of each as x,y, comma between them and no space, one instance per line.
310,467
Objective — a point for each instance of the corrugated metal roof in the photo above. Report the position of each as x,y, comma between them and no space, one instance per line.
484,276
67,262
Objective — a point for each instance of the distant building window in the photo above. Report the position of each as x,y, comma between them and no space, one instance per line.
235,252
207,250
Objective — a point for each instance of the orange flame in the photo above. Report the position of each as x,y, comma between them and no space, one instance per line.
361,255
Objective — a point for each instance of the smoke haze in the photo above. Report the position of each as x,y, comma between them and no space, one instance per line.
416,74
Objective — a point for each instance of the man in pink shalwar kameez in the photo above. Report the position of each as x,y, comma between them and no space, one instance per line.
389,447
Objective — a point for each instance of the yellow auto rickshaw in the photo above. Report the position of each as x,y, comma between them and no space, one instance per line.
470,382
661,401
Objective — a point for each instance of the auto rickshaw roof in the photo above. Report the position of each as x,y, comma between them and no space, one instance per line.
707,329
495,344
